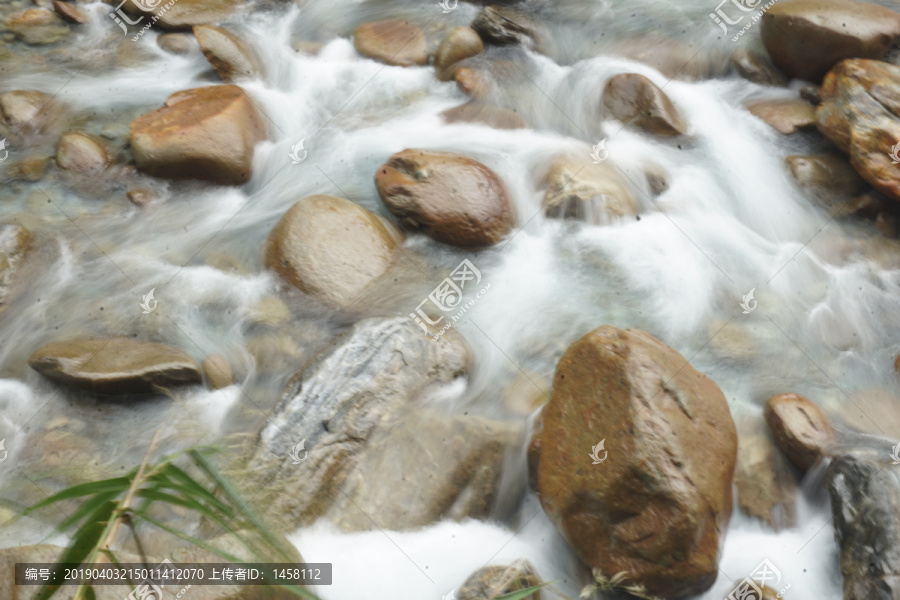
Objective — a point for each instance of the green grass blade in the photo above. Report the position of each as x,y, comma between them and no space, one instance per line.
88,506
118,484
158,496
235,498
176,475
84,543
195,541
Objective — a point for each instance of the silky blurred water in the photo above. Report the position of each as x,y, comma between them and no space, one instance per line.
731,220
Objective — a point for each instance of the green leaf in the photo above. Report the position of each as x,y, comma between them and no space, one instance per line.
176,475
159,496
87,507
83,544
118,484
235,498
522,594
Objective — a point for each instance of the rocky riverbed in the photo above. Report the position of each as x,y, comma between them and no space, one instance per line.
470,297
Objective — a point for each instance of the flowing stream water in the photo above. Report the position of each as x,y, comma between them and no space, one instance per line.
732,219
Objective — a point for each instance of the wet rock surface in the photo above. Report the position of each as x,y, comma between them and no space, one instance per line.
228,54
184,14
15,242
115,365
829,171
594,193
462,43
763,478
503,26
635,100
801,429
860,113
81,154
805,38
865,502
205,133
392,41
331,248
658,505
452,198
362,384
787,116
494,116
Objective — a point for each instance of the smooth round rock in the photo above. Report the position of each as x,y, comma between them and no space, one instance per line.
392,41
635,100
81,154
801,429
461,43
331,248
452,198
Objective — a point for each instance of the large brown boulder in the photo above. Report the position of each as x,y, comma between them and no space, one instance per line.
116,365
205,133
392,41
635,100
228,54
860,113
658,504
452,198
807,37
331,248
801,429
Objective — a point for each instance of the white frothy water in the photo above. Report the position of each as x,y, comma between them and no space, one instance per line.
731,220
